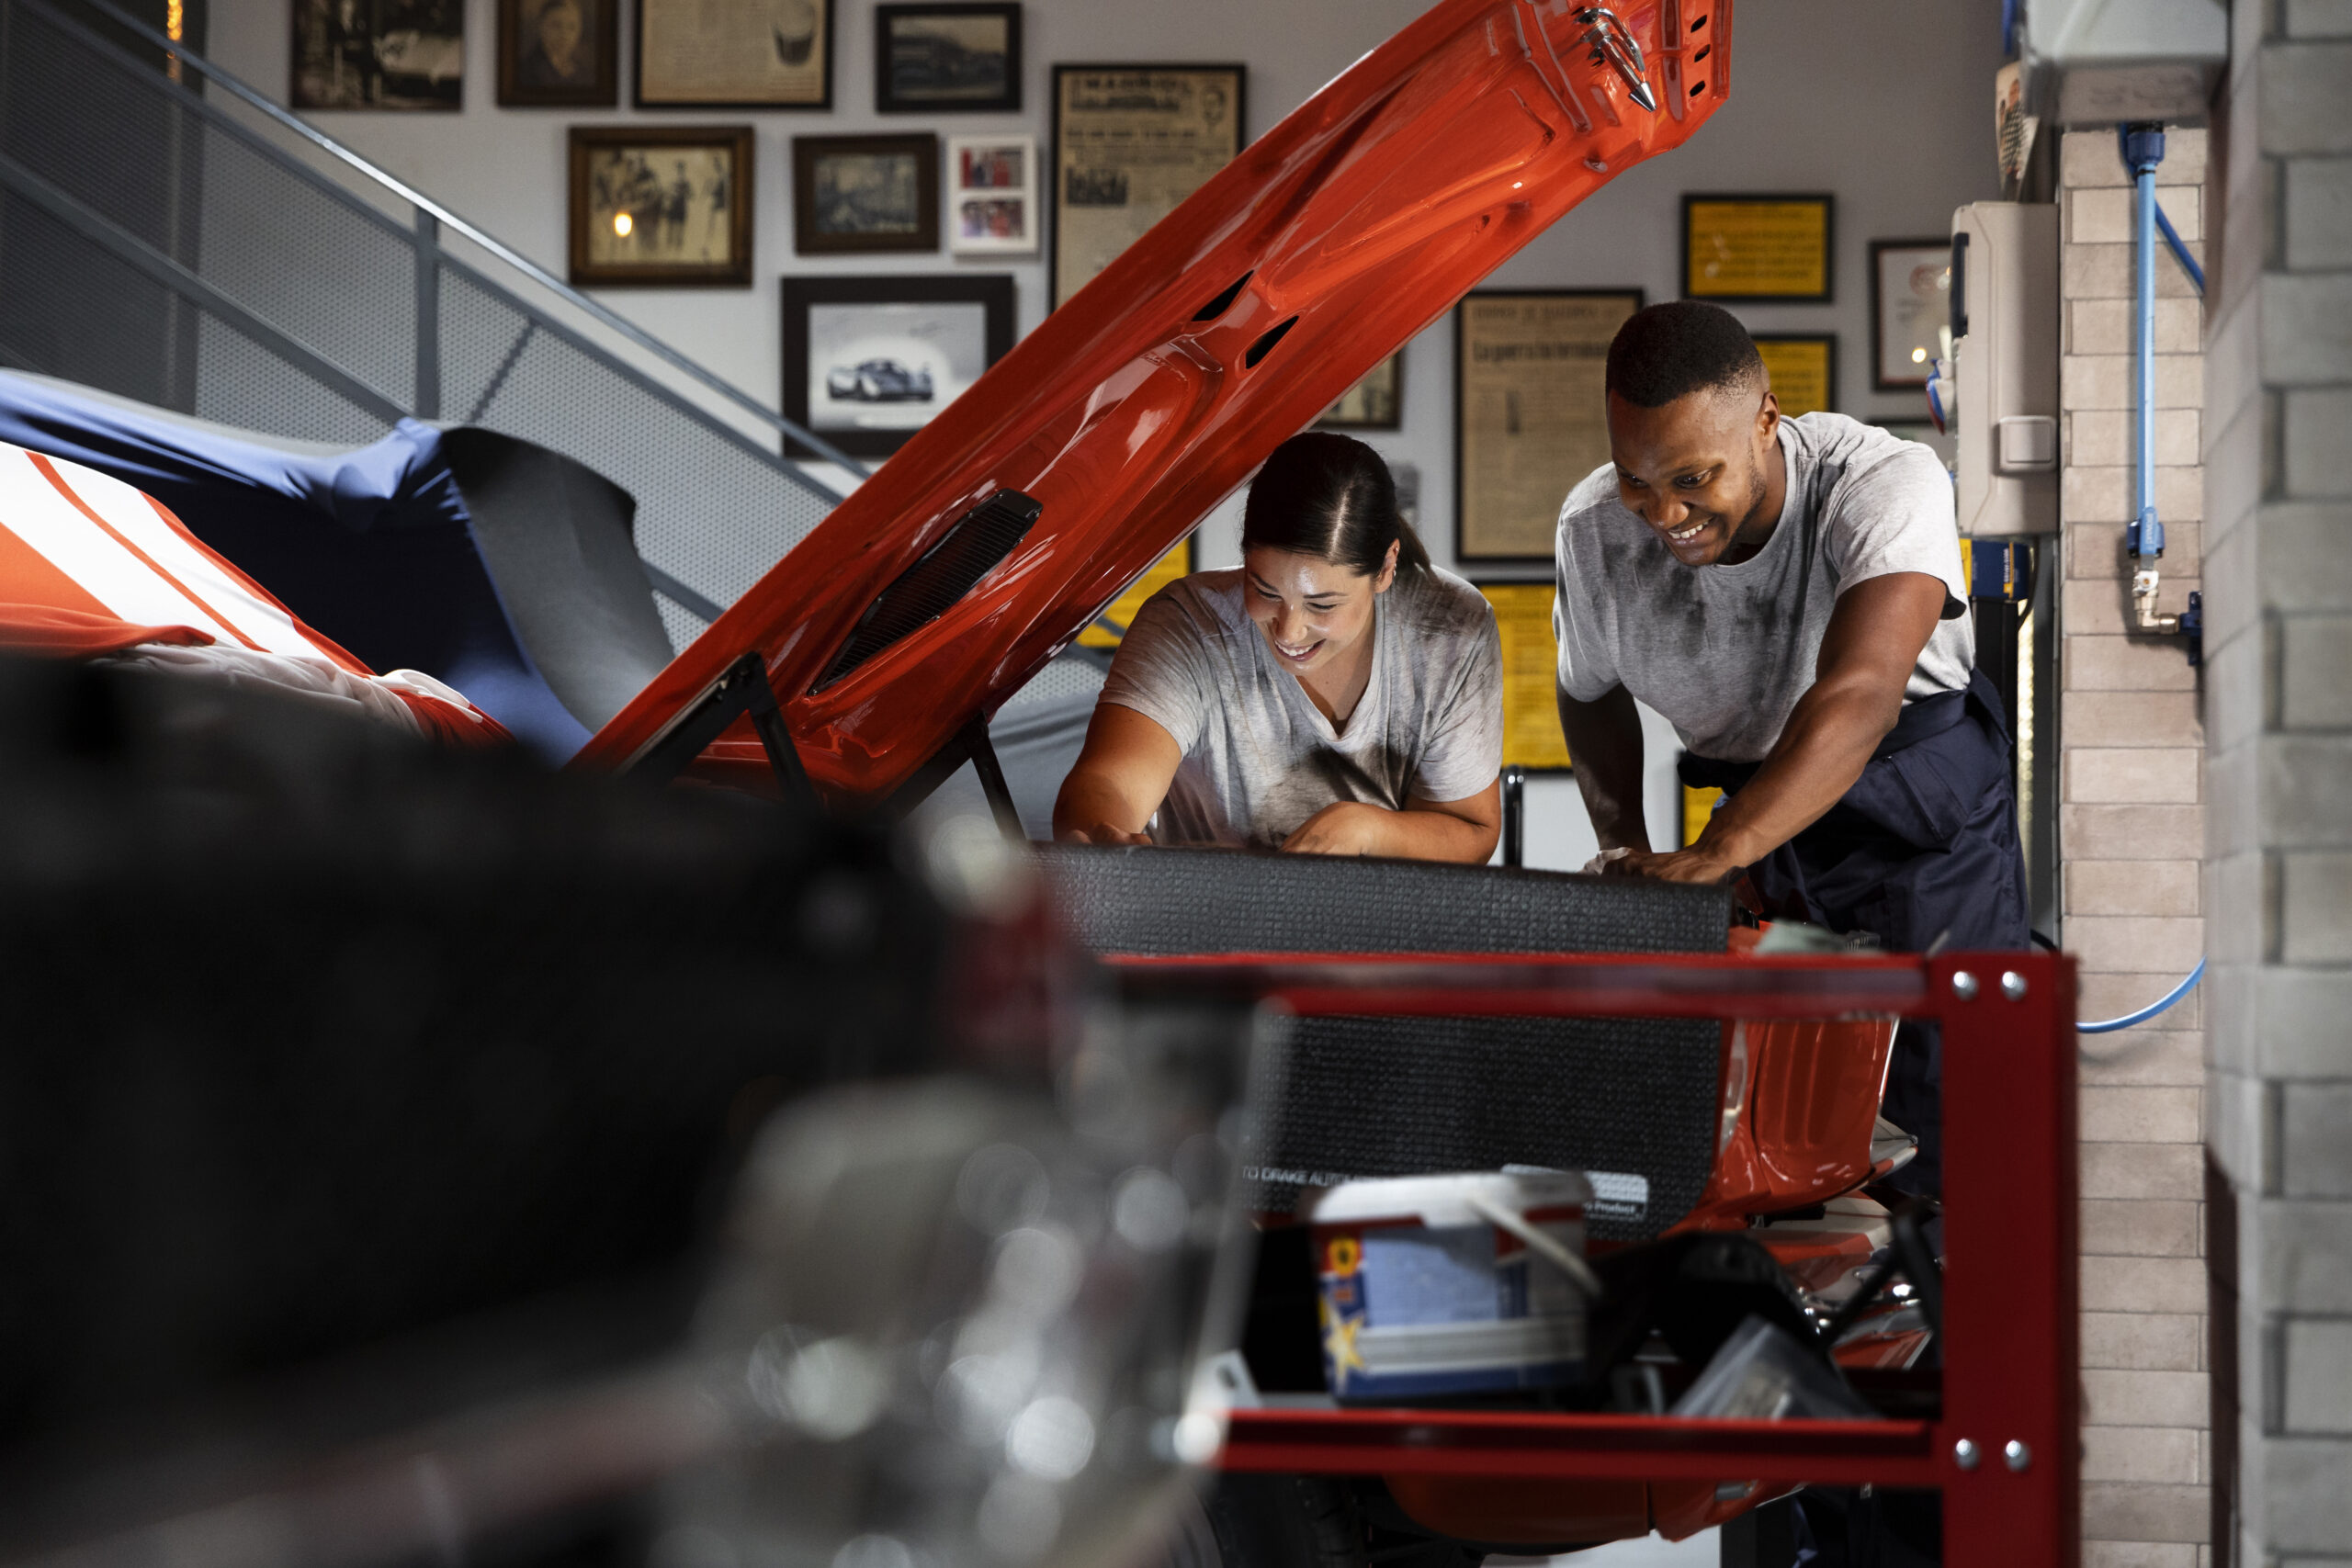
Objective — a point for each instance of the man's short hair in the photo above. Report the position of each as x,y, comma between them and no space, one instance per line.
1672,350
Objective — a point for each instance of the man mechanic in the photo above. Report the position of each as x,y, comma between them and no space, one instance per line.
1787,593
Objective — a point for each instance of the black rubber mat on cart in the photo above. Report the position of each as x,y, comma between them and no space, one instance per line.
1405,1096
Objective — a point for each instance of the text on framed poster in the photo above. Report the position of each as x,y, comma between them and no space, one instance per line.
1531,415
1532,736
1804,370
1757,247
1130,143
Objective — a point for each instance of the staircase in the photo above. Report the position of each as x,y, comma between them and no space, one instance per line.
170,235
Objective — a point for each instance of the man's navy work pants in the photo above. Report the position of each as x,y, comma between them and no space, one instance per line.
1923,851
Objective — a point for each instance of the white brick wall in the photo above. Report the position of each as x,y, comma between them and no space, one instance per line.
2277,433
2132,789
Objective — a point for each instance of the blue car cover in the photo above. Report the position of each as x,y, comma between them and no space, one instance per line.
372,546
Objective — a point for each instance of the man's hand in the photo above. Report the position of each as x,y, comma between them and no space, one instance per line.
1342,828
1694,864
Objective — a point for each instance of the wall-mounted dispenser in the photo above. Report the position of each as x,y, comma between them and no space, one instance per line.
2005,363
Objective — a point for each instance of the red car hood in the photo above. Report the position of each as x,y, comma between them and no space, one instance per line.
1147,397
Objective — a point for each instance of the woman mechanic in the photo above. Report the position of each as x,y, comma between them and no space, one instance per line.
1334,694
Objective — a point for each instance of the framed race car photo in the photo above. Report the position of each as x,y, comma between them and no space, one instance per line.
867,361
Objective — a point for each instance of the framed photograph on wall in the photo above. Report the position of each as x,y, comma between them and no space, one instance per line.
991,194
1910,310
735,54
855,195
1761,249
957,58
392,54
661,206
867,361
1803,369
1529,418
1130,143
559,53
1377,402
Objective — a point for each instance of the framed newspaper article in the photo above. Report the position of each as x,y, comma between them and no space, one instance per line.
736,54
1130,143
1528,412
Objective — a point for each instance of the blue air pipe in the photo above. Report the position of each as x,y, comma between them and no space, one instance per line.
2144,148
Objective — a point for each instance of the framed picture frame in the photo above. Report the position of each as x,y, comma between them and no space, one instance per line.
955,57
864,195
868,360
1530,414
992,196
661,206
1130,142
1762,248
1803,369
734,54
1377,402
410,60
559,53
1910,310
1532,735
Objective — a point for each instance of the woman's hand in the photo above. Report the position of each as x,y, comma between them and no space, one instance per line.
1101,833
1342,828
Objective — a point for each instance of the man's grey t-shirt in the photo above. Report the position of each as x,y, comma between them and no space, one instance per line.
1260,758
1724,652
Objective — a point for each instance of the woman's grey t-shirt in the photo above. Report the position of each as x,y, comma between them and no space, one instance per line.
1260,758
1724,652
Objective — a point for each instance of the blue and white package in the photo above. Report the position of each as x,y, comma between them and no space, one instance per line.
1423,1292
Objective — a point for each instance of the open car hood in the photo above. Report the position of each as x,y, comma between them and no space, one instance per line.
943,584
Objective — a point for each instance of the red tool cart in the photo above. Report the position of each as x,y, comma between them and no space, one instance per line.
2003,1446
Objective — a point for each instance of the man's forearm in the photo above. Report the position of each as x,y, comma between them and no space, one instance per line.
1821,751
1605,754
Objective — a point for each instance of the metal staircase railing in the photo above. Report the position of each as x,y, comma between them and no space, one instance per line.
168,234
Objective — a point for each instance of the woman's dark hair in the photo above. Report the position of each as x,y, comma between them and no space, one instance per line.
1330,496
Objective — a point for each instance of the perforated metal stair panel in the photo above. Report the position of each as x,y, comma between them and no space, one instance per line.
1405,1096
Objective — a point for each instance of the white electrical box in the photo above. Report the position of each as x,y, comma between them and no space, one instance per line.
2005,366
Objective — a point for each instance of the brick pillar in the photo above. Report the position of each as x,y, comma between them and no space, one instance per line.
2131,835
2278,706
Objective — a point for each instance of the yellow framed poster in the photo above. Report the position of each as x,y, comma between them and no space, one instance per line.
1762,248
1107,628
1531,738
1803,369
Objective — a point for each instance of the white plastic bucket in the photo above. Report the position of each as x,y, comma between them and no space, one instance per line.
1444,1285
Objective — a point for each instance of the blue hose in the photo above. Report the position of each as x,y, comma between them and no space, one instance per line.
2145,1013
2180,251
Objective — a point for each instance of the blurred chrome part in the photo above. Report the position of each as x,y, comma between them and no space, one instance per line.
966,1319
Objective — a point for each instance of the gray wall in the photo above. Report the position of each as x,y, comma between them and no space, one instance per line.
1889,106
2279,828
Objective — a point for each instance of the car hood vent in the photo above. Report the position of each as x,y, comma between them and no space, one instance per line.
942,574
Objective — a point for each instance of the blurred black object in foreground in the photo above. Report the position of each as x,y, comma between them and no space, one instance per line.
347,1083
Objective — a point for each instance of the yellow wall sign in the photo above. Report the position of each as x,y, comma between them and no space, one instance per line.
1121,614
1532,736
1756,247
1698,804
1804,371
